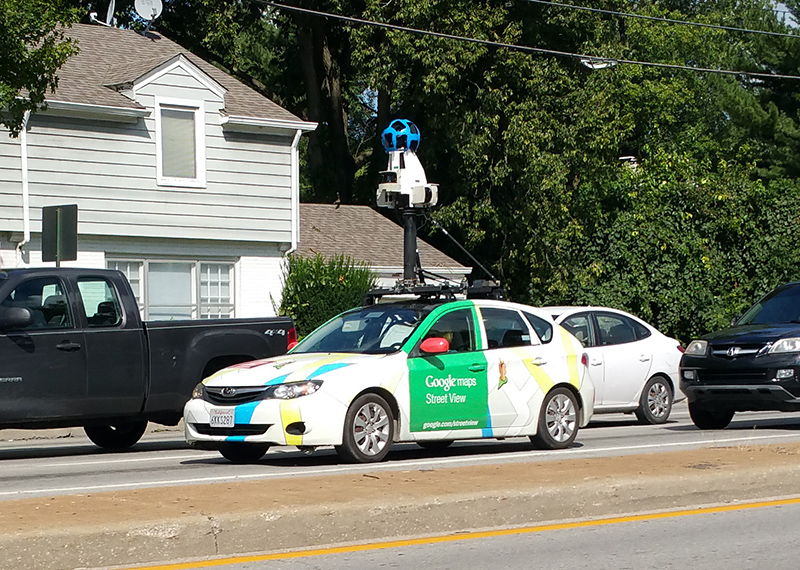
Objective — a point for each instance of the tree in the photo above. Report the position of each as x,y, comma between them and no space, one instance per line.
32,49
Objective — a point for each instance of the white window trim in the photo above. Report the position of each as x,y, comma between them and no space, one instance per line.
198,108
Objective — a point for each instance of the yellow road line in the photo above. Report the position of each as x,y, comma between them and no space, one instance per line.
464,536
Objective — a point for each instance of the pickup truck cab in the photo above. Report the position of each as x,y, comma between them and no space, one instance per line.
74,352
753,365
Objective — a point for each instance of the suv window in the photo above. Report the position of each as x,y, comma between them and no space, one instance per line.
780,306
45,298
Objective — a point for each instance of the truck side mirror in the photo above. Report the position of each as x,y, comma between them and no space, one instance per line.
15,318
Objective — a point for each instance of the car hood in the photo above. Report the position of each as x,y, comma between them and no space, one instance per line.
754,334
287,368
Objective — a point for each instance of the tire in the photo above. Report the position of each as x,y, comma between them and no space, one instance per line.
558,420
368,430
706,418
117,436
435,444
655,403
244,452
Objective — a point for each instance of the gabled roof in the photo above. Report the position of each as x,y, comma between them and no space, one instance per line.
112,57
362,234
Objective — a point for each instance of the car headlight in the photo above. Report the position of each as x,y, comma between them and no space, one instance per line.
785,345
293,389
197,393
697,348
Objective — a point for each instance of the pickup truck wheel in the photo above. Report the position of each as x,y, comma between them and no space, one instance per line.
558,420
705,418
368,430
244,452
655,403
117,436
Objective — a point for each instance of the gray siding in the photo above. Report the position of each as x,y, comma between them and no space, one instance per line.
109,170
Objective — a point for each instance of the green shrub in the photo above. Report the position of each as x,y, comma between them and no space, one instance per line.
317,289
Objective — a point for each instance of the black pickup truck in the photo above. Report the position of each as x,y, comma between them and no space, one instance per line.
753,365
74,352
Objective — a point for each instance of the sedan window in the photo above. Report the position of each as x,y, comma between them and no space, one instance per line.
579,326
614,329
457,328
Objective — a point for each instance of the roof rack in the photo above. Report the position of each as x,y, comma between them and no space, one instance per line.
481,289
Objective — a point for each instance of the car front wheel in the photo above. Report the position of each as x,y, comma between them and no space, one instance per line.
558,420
706,418
655,403
368,430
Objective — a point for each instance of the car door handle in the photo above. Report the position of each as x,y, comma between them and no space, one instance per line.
68,346
644,358
538,361
477,368
596,362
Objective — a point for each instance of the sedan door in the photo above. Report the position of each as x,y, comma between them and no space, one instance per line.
626,359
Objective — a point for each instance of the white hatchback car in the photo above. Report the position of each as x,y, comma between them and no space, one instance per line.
633,367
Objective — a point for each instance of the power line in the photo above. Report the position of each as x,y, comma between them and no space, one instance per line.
667,20
524,49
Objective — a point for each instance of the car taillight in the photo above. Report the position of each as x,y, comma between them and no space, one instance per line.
291,339
681,349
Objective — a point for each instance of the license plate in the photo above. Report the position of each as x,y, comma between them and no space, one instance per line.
222,418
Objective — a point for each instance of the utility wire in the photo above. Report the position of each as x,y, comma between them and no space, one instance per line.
667,20
525,49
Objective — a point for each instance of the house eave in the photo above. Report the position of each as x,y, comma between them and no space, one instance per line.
98,112
260,125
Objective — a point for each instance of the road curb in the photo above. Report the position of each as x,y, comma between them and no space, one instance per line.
208,521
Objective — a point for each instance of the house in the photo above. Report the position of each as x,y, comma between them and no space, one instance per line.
364,235
185,178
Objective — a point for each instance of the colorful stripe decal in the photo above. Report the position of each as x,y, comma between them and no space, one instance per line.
290,413
276,380
324,369
242,415
539,375
572,357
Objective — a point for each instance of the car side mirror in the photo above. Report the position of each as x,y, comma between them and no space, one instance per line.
15,318
434,345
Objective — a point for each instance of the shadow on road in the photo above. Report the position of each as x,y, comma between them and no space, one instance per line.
66,447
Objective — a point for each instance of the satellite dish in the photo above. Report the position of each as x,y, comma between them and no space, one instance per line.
148,9
110,14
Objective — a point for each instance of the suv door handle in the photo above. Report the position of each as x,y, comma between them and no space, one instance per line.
68,346
477,368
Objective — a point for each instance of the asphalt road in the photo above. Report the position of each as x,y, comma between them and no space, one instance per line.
738,539
72,465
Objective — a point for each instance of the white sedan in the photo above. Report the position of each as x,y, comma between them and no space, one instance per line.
424,372
633,367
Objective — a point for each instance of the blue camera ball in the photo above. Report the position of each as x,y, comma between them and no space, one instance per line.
401,134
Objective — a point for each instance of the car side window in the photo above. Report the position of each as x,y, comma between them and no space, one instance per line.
505,328
45,298
614,329
580,327
642,331
457,327
541,326
100,303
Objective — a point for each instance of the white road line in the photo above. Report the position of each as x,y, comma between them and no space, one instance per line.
340,470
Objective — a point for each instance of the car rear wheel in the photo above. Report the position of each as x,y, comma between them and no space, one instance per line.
368,430
655,403
558,420
244,452
706,418
117,436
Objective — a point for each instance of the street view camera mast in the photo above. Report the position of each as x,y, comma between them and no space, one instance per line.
405,188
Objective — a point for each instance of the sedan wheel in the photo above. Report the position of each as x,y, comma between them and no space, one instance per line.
558,420
655,403
368,430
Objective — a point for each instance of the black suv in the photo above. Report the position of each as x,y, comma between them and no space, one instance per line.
754,365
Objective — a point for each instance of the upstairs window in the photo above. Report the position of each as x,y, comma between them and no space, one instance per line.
180,144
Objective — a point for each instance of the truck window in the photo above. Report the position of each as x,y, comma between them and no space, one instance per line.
100,303
45,298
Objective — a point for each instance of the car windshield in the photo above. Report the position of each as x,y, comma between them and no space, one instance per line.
370,330
780,306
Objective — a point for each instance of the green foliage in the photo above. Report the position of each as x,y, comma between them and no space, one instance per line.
316,289
32,49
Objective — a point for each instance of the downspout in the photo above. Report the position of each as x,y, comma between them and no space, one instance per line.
26,214
295,189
